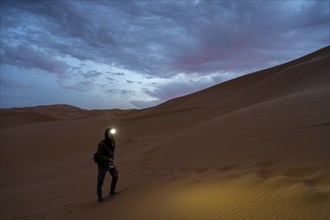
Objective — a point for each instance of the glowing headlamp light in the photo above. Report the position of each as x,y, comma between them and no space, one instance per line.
113,131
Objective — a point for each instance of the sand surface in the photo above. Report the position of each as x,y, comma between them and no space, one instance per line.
256,147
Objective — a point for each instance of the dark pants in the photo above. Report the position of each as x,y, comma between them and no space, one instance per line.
100,178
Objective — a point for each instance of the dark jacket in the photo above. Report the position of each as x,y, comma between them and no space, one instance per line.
105,151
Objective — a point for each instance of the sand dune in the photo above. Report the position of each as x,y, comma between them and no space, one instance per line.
16,117
256,147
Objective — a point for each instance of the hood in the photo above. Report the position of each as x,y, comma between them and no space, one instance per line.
106,134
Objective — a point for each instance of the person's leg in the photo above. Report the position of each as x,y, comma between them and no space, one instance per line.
100,179
114,174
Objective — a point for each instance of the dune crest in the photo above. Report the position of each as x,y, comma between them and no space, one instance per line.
16,117
255,147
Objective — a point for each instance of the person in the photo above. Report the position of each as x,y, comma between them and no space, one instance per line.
104,159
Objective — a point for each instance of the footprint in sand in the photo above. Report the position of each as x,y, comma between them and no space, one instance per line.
227,168
266,173
311,176
320,181
301,172
268,169
203,169
184,170
267,164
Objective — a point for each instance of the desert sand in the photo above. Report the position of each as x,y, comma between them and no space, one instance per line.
255,147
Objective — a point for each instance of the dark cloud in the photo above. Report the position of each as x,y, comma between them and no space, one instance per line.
166,37
13,83
116,74
79,80
79,86
246,35
27,57
159,39
110,79
124,94
91,74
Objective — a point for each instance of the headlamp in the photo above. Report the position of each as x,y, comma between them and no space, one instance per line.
113,131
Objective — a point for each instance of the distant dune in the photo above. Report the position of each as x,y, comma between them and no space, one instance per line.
15,117
255,147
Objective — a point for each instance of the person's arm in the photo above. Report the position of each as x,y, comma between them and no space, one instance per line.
100,149
113,152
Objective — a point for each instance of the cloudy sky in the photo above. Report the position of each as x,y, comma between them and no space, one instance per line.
137,54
